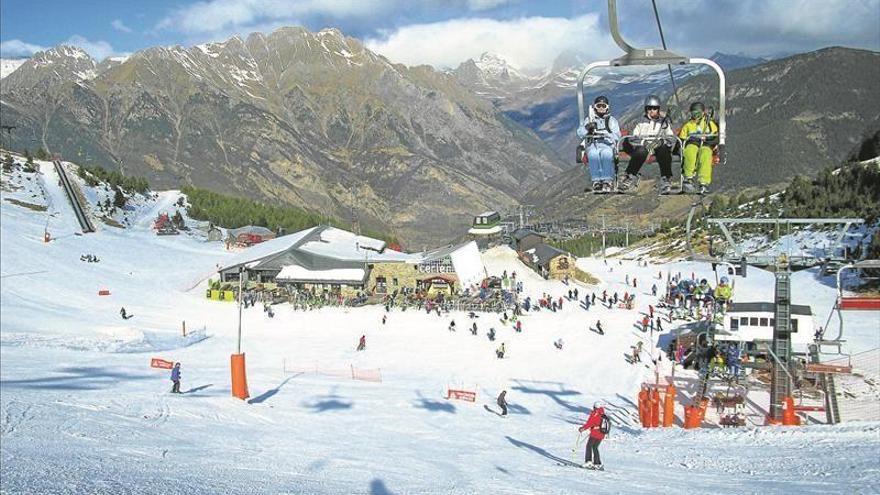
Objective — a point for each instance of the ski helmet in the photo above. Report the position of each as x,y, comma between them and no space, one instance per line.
597,405
704,282
601,103
724,280
652,101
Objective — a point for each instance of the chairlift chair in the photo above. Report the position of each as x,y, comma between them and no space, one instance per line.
649,57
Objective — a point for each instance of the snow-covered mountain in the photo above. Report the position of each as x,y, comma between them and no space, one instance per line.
8,65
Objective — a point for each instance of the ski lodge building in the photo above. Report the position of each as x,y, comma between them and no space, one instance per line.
325,257
754,322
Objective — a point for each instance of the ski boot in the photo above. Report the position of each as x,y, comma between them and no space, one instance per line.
607,187
628,182
689,186
587,465
665,185
598,467
597,186
703,189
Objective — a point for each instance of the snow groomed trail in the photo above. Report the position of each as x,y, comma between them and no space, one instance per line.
81,411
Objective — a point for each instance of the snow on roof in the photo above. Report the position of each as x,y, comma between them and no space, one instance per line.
767,307
487,213
477,231
267,248
343,245
294,273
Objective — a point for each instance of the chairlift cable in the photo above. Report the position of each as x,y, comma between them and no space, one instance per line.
668,66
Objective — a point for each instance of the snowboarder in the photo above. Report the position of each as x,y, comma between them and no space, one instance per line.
654,290
645,321
452,326
124,314
474,328
599,328
593,298
384,319
635,283
491,334
502,401
500,351
518,326
558,343
362,344
175,378
576,294
599,425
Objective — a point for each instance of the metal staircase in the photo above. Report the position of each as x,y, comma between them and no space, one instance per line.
826,382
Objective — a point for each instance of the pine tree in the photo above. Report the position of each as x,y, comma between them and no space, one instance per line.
118,198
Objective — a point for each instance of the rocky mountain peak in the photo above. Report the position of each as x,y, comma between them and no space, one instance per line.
63,63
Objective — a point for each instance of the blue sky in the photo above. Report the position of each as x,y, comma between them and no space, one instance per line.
446,32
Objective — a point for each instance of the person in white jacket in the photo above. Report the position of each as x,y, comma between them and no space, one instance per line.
652,134
600,132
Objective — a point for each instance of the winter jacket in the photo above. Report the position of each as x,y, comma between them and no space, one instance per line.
593,423
613,130
701,126
502,400
175,374
652,128
724,292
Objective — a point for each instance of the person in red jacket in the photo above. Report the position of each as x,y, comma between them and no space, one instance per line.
594,424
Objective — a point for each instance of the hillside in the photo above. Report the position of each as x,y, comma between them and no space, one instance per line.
309,119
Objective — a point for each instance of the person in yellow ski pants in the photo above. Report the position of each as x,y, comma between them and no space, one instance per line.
698,147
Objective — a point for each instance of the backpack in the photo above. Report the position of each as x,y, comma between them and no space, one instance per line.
605,425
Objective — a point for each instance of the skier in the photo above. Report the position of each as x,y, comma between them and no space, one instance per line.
491,334
593,298
635,283
362,344
575,294
627,277
559,343
599,328
599,425
659,324
502,401
653,134
474,328
645,321
600,133
637,349
122,313
452,326
724,292
697,154
175,377
384,318
518,326
500,351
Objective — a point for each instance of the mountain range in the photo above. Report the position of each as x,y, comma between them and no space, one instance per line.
318,120
310,119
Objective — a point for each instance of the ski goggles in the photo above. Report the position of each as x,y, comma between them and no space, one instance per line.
601,106
652,108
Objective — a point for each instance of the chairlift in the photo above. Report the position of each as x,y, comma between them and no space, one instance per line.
652,57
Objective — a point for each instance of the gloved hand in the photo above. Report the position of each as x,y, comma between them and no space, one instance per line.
591,128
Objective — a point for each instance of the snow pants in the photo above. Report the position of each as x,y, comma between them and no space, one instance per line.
697,160
503,406
601,158
175,389
592,451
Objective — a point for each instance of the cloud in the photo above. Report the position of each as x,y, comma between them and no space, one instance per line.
120,26
222,15
486,4
759,27
17,48
530,42
99,50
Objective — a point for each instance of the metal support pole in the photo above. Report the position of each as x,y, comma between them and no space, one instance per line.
240,297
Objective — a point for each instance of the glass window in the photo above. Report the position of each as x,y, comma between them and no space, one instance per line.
734,324
764,322
743,321
394,282
794,325
753,322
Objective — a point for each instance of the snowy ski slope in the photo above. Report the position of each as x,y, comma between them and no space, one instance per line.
82,412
